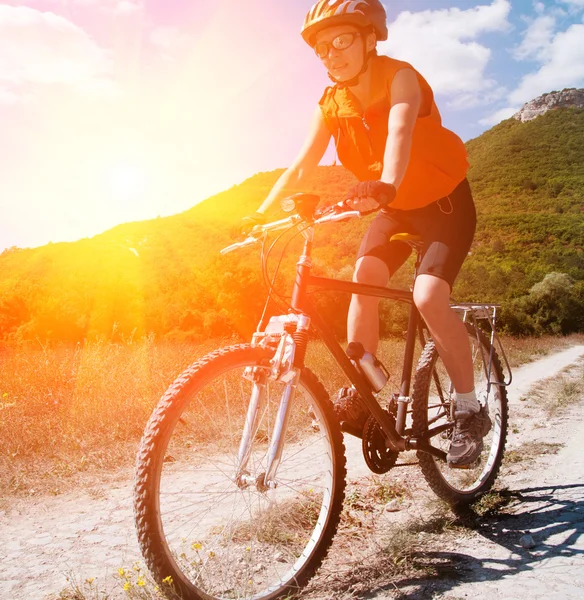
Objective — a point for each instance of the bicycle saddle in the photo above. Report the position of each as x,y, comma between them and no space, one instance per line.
409,238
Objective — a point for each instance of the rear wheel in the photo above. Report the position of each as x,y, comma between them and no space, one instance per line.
204,534
432,401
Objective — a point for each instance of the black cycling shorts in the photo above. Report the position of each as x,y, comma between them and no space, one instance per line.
446,227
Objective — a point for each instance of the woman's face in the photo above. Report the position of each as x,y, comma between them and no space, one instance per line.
345,64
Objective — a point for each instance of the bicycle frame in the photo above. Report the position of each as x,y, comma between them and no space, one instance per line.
290,362
301,303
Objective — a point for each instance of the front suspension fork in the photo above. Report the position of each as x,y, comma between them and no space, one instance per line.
286,367
252,421
265,480
280,426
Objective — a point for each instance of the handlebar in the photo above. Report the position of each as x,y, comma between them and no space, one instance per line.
330,214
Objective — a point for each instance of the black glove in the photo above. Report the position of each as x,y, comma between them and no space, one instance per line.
382,193
246,225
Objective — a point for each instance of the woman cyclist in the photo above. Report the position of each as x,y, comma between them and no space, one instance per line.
387,131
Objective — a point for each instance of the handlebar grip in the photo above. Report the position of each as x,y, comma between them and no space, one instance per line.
383,200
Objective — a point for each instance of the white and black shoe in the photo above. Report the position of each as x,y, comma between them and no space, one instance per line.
467,438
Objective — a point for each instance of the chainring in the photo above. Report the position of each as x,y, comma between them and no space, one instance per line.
379,458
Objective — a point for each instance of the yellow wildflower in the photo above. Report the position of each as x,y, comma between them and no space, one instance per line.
141,582
196,546
121,572
167,580
127,586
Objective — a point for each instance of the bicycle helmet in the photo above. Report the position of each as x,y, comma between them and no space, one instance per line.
362,13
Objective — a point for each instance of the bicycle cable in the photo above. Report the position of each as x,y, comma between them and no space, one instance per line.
270,285
265,275
265,279
275,296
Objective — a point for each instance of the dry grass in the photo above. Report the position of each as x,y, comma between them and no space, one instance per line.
560,391
374,551
525,350
530,451
94,402
492,503
519,351
133,583
284,524
70,412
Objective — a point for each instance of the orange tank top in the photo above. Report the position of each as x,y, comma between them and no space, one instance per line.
438,160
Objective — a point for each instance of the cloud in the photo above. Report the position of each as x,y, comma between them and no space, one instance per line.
169,39
562,65
126,7
8,97
574,3
41,48
442,45
537,38
111,7
499,115
539,7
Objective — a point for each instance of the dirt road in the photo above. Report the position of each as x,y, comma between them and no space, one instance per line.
90,533
495,565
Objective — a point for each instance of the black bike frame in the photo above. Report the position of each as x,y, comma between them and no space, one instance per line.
301,303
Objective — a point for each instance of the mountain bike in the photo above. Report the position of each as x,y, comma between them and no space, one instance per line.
240,474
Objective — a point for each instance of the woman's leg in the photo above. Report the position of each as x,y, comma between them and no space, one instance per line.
472,423
432,297
378,259
363,318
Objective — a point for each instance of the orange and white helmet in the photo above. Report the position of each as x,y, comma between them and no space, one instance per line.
362,13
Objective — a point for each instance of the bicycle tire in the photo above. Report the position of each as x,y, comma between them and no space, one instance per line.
195,525
432,397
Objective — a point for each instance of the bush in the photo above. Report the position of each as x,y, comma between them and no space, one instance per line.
554,305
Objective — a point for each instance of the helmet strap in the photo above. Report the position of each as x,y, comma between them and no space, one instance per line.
355,80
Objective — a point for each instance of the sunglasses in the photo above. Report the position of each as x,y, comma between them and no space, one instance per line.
341,42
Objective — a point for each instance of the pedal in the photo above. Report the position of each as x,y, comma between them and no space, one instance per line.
472,465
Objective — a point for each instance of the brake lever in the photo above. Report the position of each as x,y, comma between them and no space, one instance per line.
337,208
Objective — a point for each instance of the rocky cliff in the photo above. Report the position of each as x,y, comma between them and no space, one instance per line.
569,97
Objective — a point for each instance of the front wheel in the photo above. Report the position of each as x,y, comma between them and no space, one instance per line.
203,533
432,402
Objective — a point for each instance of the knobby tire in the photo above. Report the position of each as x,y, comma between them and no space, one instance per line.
432,396
201,535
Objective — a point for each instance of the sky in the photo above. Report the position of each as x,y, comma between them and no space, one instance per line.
123,110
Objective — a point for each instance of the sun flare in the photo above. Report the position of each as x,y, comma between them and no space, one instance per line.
127,180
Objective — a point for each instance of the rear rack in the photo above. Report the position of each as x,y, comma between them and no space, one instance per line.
472,312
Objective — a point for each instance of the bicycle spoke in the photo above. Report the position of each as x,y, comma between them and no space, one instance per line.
459,485
235,539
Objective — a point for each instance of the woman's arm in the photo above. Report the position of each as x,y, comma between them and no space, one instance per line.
405,106
295,176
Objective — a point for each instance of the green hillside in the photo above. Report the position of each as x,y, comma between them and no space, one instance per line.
165,276
528,180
